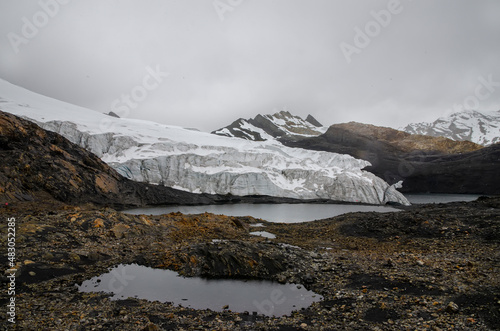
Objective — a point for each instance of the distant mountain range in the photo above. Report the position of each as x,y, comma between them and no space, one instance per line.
425,163
482,128
281,126
479,127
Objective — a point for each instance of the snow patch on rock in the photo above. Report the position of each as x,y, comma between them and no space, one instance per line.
479,127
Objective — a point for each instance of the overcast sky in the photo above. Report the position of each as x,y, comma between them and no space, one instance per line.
205,63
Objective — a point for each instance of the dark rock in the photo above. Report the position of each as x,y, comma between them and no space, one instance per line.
39,272
308,278
313,121
390,263
380,315
112,114
236,129
236,259
452,307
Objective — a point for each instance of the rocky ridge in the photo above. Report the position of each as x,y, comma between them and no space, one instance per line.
424,164
407,142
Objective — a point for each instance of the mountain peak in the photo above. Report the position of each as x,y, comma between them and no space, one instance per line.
313,121
479,127
280,125
283,114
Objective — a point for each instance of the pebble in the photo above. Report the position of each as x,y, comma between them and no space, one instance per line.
452,307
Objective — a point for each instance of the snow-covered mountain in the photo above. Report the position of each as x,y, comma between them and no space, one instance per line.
479,127
281,125
201,162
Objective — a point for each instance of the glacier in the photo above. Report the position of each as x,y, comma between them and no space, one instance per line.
201,162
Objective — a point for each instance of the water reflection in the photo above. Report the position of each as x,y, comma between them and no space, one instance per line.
264,234
263,297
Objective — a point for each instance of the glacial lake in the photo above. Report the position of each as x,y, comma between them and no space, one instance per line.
296,213
264,297
282,213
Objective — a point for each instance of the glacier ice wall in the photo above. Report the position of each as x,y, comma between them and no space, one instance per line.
237,169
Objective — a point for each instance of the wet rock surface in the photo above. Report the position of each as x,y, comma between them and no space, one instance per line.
430,267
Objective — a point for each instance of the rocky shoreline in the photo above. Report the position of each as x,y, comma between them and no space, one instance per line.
430,267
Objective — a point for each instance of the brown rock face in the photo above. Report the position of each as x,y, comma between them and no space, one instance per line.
407,142
36,160
106,184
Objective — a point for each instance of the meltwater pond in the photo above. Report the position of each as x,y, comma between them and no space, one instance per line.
284,213
264,297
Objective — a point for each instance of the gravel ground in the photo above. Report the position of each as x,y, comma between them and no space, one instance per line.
431,267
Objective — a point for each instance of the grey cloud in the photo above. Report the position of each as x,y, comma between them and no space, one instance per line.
263,56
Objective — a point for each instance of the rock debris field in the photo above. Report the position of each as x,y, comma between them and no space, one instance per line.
429,267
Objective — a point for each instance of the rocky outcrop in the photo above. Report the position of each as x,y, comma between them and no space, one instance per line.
313,121
233,259
424,164
404,141
241,128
